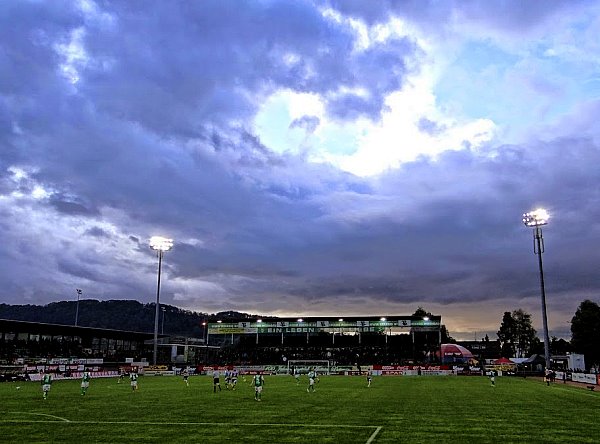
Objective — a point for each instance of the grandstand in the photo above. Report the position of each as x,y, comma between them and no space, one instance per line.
37,341
274,341
342,341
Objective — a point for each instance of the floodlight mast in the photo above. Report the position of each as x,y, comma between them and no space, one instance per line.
536,219
79,291
160,245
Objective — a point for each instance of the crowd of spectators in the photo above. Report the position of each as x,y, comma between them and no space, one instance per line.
349,350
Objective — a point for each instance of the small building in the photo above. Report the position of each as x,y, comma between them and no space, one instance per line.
572,361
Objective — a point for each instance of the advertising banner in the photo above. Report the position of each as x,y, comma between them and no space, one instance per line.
231,330
410,370
585,378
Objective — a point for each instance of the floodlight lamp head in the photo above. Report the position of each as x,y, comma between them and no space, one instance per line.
536,218
160,243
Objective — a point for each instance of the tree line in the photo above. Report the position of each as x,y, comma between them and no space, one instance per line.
519,339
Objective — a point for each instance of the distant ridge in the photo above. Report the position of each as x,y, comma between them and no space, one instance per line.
117,314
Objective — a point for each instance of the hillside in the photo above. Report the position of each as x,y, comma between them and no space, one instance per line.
117,314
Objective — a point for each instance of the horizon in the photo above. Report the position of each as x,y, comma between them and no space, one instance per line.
474,336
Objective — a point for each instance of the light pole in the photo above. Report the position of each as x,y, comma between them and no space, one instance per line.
78,290
536,219
160,245
162,328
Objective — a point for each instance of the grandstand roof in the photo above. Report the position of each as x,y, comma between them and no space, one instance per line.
327,323
13,326
390,318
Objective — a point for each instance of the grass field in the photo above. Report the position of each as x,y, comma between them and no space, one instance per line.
342,410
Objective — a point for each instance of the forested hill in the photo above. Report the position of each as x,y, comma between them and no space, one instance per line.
116,314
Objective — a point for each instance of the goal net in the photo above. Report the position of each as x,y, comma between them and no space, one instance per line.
304,366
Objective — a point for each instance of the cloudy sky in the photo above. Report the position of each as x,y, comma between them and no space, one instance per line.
308,157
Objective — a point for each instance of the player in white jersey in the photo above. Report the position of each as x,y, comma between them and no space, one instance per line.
297,375
311,381
85,382
369,378
133,378
216,382
186,375
259,382
46,383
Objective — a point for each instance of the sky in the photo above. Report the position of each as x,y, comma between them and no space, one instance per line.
307,157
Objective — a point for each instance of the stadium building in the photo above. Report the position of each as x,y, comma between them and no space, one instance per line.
348,340
35,341
340,340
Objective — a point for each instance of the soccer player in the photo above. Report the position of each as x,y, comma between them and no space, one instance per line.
258,381
493,378
311,381
369,378
297,375
46,383
85,382
227,379
216,382
133,377
234,378
186,375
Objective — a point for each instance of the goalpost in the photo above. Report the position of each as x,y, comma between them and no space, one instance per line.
321,366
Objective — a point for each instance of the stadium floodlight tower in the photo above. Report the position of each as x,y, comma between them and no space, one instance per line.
536,219
79,291
160,245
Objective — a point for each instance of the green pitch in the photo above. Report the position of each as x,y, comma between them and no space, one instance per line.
342,410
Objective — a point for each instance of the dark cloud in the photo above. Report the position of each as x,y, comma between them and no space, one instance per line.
173,68
97,232
308,123
430,127
72,208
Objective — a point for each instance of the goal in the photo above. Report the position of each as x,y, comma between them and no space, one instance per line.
304,366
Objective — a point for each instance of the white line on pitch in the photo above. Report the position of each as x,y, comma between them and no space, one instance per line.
41,414
200,423
372,437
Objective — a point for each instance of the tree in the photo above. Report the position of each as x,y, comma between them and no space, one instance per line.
506,335
585,332
559,346
445,335
517,335
526,339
